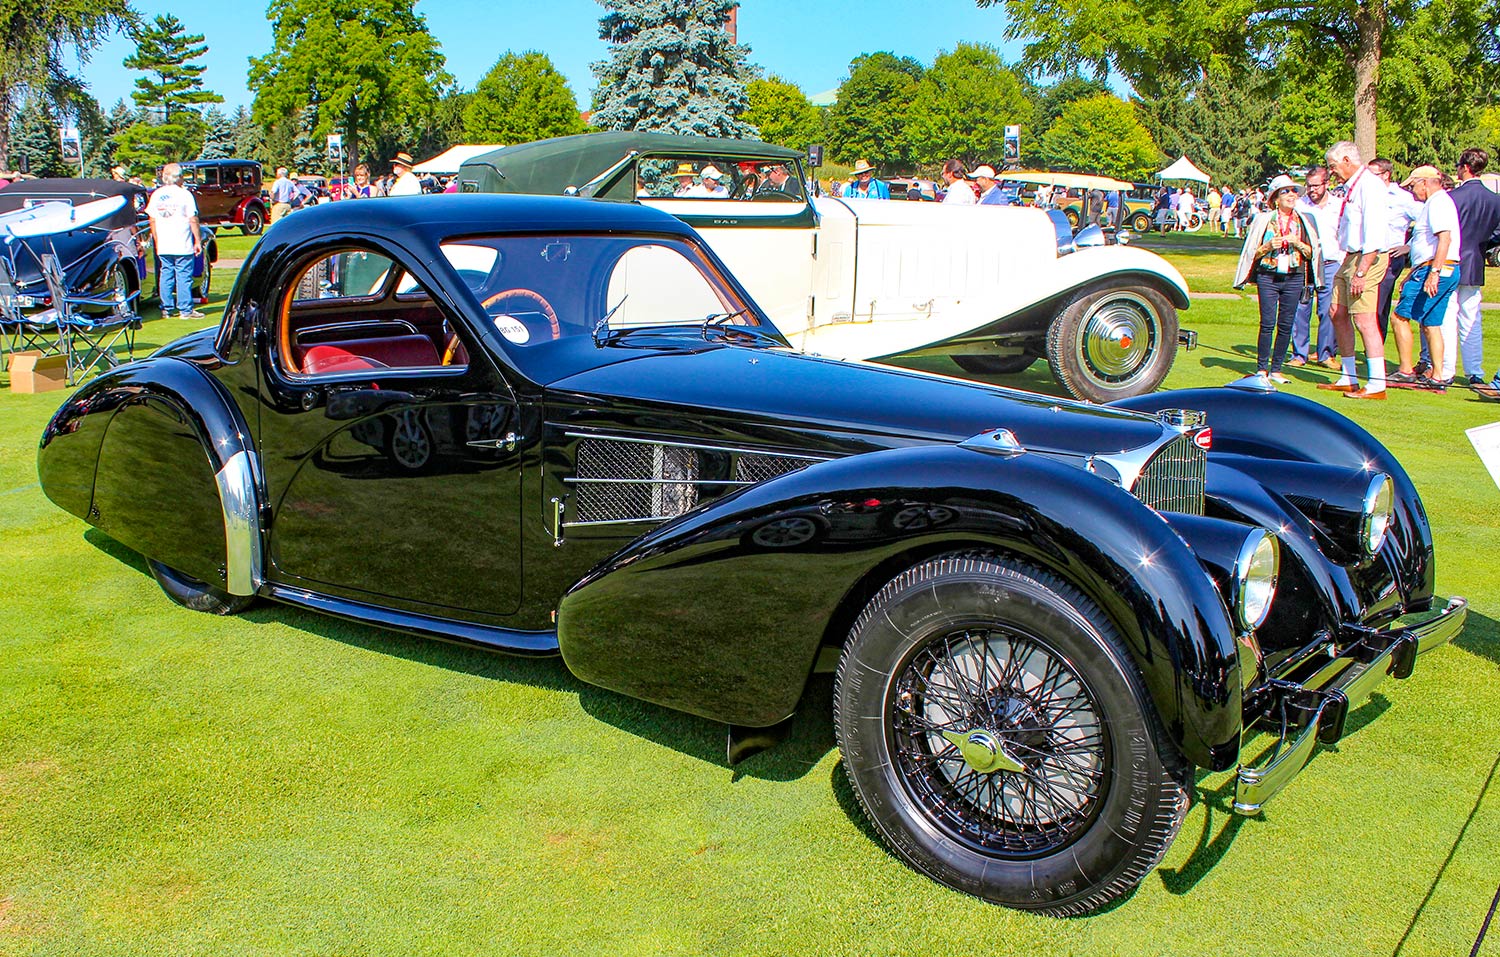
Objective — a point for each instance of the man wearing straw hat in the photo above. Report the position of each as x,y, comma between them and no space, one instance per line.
865,185
406,183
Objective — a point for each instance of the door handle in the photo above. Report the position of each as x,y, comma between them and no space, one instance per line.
506,442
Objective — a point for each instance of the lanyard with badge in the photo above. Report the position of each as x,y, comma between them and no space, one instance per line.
1284,257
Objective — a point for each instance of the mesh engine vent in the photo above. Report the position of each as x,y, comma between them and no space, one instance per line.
658,481
759,468
1174,479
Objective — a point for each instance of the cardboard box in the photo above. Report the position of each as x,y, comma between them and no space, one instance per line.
30,371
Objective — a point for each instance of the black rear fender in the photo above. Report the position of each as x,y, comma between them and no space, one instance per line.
155,454
722,612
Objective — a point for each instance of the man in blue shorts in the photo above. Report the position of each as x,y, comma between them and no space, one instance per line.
1435,240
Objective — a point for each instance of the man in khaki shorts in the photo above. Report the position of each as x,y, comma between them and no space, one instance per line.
1356,286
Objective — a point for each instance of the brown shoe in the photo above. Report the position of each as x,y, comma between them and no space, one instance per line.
1335,387
1365,394
1331,363
1296,361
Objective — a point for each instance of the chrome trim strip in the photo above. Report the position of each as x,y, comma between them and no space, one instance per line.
620,521
654,481
242,550
605,437
1255,786
1442,627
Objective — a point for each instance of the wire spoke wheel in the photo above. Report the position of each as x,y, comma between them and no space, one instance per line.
999,737
1029,701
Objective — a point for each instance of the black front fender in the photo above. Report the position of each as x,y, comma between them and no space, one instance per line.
722,612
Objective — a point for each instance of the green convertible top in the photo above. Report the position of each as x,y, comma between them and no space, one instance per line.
551,166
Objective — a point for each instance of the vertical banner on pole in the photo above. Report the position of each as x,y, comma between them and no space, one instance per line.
1013,144
72,146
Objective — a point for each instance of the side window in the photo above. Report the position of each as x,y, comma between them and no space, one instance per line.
341,314
210,175
653,285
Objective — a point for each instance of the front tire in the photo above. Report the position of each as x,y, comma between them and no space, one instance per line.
1141,222
1112,343
191,593
994,365
1003,659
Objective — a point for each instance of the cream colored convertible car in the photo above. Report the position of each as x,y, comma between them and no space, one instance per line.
994,287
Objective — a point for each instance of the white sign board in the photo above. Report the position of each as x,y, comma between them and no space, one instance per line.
1486,439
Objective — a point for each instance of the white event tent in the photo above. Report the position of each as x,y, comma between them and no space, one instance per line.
447,162
1183,169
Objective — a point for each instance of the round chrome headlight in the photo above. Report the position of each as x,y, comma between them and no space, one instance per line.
1379,506
1255,578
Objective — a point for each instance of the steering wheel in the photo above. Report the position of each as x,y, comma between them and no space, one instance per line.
747,187
535,297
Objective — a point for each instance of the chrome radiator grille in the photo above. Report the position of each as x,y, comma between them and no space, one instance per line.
1174,478
632,480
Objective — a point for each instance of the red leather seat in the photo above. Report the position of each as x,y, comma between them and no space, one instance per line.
353,355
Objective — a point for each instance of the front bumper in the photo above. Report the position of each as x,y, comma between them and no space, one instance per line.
1314,710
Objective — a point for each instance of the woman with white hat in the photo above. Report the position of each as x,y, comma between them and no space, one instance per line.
1279,246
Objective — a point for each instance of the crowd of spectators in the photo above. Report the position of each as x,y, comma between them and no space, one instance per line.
1343,255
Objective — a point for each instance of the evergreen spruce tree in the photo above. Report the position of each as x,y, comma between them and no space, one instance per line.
218,135
673,68
245,134
34,144
171,93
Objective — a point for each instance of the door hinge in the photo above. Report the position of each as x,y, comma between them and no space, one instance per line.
558,506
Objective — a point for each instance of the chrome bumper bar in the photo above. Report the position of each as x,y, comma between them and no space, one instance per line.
1315,710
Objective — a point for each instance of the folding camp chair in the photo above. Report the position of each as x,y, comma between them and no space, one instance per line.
18,330
88,340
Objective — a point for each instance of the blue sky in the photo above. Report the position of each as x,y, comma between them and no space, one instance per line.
809,42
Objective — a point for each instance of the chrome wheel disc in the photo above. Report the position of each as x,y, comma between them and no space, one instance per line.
999,740
1118,338
785,532
410,444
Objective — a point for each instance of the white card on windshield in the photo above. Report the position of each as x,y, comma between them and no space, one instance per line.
1486,439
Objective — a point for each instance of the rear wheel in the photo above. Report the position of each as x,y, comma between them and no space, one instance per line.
1141,222
994,365
998,737
189,592
254,221
1114,342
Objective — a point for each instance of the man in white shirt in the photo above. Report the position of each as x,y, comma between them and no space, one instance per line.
176,238
406,183
710,184
959,192
1323,210
1435,241
1401,210
1362,229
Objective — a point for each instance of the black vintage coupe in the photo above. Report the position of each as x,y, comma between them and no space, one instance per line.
551,425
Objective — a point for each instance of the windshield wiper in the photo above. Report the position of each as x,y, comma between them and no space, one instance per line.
717,323
603,323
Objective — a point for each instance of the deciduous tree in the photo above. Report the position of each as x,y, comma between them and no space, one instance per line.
1101,134
522,98
781,112
358,64
672,68
964,102
872,118
1159,45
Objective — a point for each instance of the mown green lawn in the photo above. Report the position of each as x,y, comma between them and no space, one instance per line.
280,782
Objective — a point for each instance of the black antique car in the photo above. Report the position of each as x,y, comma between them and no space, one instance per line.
547,425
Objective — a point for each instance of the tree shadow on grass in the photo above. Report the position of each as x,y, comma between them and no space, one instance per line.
809,739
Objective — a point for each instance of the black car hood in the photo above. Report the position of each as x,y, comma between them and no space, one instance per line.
791,388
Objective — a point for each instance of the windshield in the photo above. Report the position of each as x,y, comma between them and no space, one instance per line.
537,290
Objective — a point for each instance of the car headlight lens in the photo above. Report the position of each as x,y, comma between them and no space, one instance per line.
1379,506
1255,578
